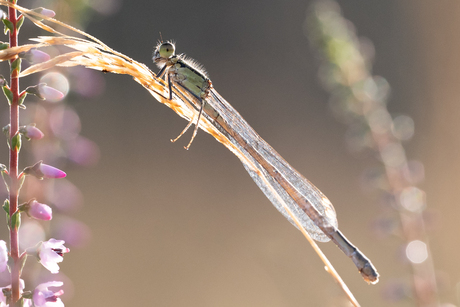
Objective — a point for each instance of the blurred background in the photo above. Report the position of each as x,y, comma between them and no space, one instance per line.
152,224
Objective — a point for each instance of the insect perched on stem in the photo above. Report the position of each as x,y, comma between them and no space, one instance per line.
187,74
190,93
303,204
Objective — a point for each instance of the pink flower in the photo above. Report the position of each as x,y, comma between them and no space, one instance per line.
49,171
34,56
33,132
50,253
39,211
45,12
3,256
43,297
41,170
38,56
50,93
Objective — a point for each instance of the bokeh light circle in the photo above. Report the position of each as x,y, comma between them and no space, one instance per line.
57,81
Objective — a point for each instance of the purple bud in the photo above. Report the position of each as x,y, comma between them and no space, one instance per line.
38,56
39,211
31,132
49,171
45,12
40,171
48,13
50,93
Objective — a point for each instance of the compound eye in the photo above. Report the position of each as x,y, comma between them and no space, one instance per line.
166,50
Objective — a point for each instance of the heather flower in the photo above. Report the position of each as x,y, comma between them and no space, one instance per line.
38,56
45,12
31,132
43,297
50,93
38,210
34,56
41,170
3,256
48,13
49,171
50,253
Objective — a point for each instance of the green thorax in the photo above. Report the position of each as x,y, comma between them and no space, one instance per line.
191,79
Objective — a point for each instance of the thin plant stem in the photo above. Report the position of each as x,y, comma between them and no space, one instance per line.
13,164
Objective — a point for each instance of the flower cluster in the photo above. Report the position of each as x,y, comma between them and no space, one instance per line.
51,252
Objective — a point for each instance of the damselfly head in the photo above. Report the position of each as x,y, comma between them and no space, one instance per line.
163,51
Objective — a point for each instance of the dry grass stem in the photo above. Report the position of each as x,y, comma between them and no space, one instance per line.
96,55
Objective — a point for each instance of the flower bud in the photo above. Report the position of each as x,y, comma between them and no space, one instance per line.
50,93
49,171
41,170
37,210
45,12
34,56
31,132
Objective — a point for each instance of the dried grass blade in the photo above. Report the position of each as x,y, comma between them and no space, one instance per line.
50,63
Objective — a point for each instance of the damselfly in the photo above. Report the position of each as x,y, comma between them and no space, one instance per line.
287,189
185,73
